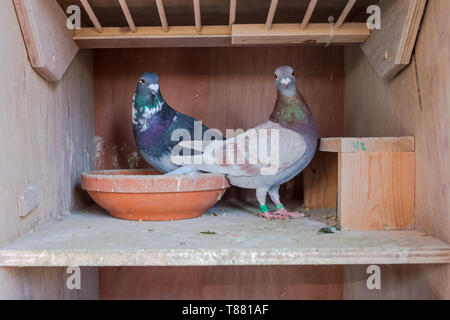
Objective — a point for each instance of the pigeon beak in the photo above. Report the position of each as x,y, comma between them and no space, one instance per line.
154,87
285,82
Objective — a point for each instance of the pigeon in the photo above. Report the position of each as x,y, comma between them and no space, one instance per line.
293,124
154,122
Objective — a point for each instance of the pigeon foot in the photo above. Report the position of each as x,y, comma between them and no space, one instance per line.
288,214
273,216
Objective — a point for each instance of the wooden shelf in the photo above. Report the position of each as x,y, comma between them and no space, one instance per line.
93,238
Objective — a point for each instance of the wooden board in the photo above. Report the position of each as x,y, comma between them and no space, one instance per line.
413,103
320,181
243,34
382,144
376,190
150,37
390,48
48,41
221,283
92,238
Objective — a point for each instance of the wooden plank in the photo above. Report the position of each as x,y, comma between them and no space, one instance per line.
271,14
383,144
290,33
376,190
92,15
344,14
70,242
232,12
48,41
162,15
197,15
308,14
390,48
221,283
144,37
126,12
320,181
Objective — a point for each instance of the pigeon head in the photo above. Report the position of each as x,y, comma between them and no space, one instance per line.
148,83
285,80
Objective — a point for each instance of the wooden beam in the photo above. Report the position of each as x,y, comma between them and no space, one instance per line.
162,15
232,12
388,144
244,34
197,15
389,49
49,42
126,12
308,14
176,36
345,13
271,14
92,15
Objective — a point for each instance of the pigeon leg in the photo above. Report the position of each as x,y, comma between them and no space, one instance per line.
261,194
275,196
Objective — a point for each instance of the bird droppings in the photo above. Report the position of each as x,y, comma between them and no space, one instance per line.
208,232
150,230
387,227
99,151
330,229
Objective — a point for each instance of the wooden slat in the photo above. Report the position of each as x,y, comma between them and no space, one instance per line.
271,14
309,12
126,12
232,12
290,33
345,13
92,15
197,15
390,49
50,53
400,144
162,15
176,36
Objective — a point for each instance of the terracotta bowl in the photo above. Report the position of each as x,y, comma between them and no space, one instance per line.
148,195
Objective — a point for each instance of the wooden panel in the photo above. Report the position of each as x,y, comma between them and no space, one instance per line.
320,180
390,48
376,190
50,131
385,144
414,103
292,33
221,283
49,43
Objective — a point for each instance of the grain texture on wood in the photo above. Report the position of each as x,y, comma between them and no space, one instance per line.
390,48
221,283
271,14
381,144
232,12
291,33
49,42
320,181
145,37
376,190
126,12
197,15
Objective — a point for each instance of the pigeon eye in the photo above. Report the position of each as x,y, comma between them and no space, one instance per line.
293,73
276,77
142,81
